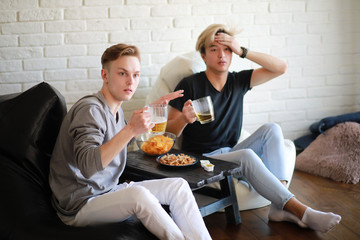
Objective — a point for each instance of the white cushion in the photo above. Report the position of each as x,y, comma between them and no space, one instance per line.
178,68
183,66
173,72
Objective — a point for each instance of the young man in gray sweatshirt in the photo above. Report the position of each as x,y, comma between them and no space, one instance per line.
90,156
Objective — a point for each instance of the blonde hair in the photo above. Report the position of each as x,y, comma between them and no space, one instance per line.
207,36
114,52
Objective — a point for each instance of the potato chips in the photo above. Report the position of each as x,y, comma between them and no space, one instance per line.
157,145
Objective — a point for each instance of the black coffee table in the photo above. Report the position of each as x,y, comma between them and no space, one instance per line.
140,167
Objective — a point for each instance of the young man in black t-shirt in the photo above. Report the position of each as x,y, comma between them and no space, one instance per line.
264,147
227,89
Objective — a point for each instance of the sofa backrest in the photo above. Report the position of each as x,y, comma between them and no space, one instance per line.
29,125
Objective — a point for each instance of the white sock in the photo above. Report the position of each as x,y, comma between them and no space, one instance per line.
279,215
320,221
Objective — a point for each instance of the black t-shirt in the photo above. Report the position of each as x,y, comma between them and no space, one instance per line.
225,130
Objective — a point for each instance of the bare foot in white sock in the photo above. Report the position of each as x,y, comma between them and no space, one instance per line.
320,221
279,215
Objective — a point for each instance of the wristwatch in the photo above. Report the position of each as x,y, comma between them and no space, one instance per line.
245,51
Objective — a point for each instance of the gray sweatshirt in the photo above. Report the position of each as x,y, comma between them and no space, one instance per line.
76,172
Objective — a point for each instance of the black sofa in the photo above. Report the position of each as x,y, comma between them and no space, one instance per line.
29,124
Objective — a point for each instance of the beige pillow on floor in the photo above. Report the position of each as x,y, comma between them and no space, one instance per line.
335,155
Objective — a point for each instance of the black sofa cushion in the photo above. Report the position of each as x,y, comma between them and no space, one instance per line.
29,124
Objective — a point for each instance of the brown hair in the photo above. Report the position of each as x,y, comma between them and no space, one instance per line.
207,36
114,52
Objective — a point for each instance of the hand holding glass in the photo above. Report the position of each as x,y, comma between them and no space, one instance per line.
204,109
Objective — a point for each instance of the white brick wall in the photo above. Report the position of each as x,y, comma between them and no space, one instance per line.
61,42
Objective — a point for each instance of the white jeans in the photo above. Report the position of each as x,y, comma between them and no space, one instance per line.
144,199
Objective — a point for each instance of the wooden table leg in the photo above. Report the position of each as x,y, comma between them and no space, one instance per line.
232,211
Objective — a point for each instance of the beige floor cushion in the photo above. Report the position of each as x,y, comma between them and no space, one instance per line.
335,155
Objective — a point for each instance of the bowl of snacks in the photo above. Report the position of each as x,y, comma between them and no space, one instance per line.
176,160
155,144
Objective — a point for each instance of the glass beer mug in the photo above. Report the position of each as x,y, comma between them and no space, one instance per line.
159,115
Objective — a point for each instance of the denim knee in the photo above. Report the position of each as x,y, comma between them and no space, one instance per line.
248,159
273,129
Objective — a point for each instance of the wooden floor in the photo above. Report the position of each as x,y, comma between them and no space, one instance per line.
319,193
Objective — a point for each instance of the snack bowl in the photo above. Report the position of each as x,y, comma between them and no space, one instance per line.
155,144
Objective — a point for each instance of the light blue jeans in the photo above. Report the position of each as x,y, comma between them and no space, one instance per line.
261,157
